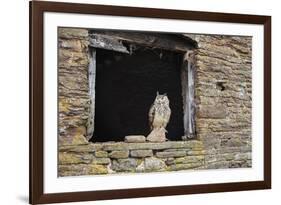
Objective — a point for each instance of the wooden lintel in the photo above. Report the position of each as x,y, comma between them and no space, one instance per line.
107,42
153,40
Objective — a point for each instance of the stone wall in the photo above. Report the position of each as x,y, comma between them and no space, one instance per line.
223,99
111,157
223,113
73,63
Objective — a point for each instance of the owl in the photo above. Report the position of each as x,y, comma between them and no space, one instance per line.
160,112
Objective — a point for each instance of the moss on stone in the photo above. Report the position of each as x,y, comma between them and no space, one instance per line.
98,169
101,154
65,158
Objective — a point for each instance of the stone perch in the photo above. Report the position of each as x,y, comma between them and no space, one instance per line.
157,135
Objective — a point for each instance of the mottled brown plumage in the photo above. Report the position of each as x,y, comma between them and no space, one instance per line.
160,112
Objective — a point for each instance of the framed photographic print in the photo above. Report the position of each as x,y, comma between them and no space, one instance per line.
135,102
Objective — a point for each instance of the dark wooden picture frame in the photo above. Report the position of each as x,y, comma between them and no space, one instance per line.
37,9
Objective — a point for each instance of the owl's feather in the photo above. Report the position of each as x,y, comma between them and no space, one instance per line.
151,114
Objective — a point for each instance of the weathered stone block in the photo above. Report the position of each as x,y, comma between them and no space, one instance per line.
101,161
141,153
75,136
180,149
189,159
243,156
140,167
228,156
68,58
88,148
115,146
154,164
69,158
72,33
234,142
217,165
135,138
224,150
212,111
73,170
101,154
246,148
74,45
124,165
148,145
98,169
196,152
238,164
177,167
171,154
170,161
119,154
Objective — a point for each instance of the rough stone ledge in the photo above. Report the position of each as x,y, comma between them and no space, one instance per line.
152,145
112,146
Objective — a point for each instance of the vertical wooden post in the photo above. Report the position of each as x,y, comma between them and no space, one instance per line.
92,83
187,79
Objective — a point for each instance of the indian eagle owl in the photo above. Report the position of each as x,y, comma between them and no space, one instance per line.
160,112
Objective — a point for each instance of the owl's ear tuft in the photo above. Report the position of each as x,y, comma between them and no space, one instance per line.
165,94
157,93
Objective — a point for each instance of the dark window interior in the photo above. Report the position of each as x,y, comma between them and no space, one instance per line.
126,86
